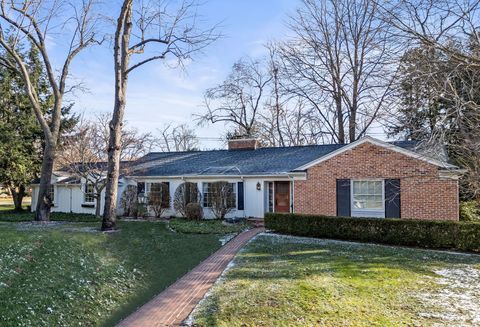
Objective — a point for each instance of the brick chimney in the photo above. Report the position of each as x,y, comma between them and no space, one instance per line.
242,144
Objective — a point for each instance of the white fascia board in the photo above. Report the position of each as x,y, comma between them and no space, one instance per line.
382,144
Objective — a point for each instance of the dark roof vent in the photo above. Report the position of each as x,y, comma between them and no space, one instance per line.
242,144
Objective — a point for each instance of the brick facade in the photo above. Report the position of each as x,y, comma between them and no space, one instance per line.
424,194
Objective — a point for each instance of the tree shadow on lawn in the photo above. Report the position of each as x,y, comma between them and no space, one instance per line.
279,279
285,258
91,278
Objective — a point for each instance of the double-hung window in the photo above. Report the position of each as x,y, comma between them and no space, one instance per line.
51,193
368,198
89,194
210,194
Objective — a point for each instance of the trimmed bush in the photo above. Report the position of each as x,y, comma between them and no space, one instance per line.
194,211
459,235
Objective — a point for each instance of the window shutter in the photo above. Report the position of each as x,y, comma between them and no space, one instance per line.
166,195
392,198
140,188
343,198
240,204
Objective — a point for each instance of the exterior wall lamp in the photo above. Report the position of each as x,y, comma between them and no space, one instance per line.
259,186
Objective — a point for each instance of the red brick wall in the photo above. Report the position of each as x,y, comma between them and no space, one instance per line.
424,195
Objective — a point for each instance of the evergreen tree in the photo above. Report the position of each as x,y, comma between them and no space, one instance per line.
21,138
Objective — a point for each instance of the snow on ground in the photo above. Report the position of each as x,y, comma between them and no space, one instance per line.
458,300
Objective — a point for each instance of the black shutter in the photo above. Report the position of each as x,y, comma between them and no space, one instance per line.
240,204
140,188
343,198
392,198
166,195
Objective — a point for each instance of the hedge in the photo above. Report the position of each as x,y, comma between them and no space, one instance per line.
457,235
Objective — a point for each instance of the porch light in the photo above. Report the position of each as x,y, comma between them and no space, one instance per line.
259,186
142,198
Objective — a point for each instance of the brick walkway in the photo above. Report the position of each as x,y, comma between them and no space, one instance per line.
174,304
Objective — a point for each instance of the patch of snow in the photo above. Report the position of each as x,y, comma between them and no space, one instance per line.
458,299
226,238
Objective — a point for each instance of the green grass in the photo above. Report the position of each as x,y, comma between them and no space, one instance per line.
70,275
8,214
284,281
212,226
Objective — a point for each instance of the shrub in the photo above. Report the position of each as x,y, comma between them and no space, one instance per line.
184,194
129,201
464,236
469,211
194,211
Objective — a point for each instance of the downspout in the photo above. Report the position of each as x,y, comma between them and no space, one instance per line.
71,199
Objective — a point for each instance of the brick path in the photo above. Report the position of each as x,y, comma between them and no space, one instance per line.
174,304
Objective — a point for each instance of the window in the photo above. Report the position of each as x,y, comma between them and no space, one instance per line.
209,194
270,196
89,194
51,193
159,192
367,195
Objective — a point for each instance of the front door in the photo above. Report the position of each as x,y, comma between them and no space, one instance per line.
282,196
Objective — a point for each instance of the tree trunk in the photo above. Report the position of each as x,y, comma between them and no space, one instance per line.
121,58
44,202
341,128
18,193
113,171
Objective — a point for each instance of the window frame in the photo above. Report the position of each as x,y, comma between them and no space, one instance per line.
234,187
89,194
52,191
352,199
148,188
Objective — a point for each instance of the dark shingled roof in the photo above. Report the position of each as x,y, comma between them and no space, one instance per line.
262,161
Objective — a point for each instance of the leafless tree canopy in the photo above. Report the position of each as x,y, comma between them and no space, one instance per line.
84,152
239,99
147,31
440,79
177,138
340,62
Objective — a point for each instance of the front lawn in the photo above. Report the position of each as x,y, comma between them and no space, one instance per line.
69,274
293,281
205,226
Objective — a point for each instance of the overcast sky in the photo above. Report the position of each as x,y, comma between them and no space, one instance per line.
159,95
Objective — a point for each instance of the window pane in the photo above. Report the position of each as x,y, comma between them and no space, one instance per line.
367,195
356,187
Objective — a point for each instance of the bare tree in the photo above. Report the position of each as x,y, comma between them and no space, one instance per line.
444,79
185,194
84,153
146,32
159,199
340,61
34,21
221,199
239,99
177,138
